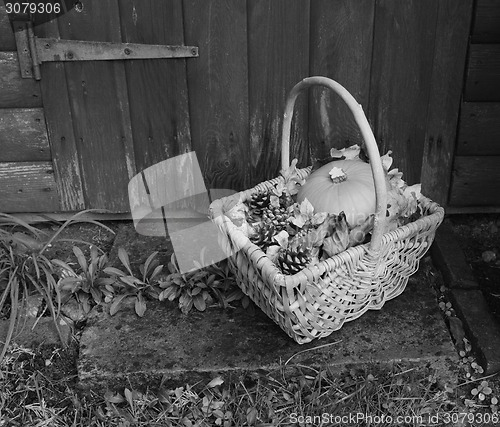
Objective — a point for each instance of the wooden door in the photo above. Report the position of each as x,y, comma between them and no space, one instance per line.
108,119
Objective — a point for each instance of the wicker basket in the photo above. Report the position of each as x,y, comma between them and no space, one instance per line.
318,300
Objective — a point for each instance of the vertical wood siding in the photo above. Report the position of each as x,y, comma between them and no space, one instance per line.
403,51
7,40
218,89
278,55
341,48
100,109
157,89
59,121
453,22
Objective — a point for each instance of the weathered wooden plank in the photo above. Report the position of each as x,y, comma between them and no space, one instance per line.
278,59
59,120
476,180
100,110
16,92
450,49
341,48
403,52
479,129
486,27
218,90
7,40
158,93
23,135
28,187
483,73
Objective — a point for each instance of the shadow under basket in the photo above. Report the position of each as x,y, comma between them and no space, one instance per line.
318,300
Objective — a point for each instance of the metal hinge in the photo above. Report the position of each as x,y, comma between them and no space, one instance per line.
33,50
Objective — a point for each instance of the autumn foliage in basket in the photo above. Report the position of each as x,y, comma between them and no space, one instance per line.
298,226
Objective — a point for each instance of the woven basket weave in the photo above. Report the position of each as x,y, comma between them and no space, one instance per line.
318,300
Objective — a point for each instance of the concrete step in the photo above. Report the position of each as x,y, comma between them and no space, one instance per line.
120,350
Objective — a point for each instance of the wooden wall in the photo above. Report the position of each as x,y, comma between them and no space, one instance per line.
27,181
402,60
476,171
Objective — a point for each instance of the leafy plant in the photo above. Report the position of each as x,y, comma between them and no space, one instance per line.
201,288
132,287
20,272
224,286
25,268
86,286
192,288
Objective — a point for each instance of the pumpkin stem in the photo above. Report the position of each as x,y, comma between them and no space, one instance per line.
338,175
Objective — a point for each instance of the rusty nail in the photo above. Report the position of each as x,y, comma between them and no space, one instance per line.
127,51
193,51
47,45
70,55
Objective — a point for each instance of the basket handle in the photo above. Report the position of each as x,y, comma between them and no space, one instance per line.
367,134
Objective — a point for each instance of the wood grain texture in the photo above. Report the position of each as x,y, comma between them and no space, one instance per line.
403,52
28,187
486,27
476,180
16,92
7,40
483,73
99,107
479,129
278,52
341,48
157,88
59,120
218,90
23,135
450,49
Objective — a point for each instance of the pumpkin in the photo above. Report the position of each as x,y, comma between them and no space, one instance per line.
341,185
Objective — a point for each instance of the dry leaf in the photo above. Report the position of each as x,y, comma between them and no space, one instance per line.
215,382
339,240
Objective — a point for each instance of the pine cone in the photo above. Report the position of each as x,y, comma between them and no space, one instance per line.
278,216
263,236
292,262
258,202
254,217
